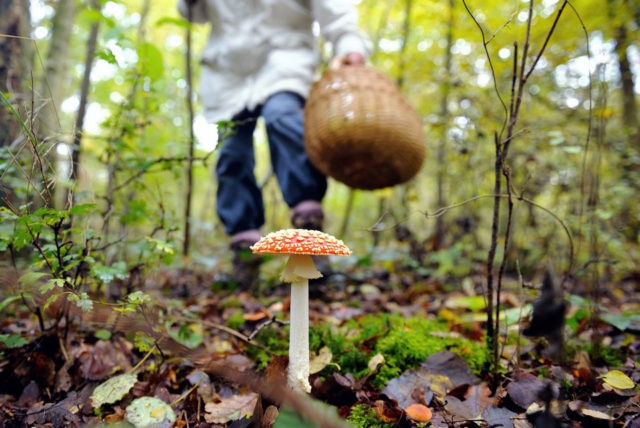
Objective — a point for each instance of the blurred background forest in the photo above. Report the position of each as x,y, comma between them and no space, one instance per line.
95,126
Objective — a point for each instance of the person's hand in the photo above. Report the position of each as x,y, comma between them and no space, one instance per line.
352,58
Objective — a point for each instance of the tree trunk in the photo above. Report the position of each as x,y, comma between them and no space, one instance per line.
444,121
629,106
76,144
14,61
15,64
53,84
630,122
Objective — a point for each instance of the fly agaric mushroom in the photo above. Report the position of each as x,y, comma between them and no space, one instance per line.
300,244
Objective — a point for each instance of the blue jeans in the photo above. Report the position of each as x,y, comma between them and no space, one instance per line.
239,198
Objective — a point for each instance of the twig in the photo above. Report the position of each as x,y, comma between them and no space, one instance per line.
264,324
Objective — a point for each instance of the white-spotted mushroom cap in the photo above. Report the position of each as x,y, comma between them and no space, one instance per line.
301,241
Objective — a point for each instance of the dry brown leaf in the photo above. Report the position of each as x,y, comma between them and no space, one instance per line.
231,408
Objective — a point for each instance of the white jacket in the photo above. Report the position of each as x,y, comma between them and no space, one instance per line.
259,47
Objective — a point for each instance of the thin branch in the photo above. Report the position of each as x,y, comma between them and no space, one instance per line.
548,38
485,44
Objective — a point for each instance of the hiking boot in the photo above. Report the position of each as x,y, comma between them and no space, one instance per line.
307,215
245,266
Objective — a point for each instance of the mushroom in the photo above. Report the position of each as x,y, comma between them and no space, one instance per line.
300,244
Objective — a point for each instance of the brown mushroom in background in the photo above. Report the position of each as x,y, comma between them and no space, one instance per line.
300,244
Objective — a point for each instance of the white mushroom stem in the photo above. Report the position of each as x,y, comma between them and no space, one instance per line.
298,375
298,271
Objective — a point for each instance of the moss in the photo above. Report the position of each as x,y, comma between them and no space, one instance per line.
365,417
408,345
352,344
404,343
236,320
607,356
275,341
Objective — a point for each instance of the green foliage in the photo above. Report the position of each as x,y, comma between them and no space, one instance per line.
273,341
288,418
411,342
352,344
12,340
188,334
404,344
236,320
362,415
606,355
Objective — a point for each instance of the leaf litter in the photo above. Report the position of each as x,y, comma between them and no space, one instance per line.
227,367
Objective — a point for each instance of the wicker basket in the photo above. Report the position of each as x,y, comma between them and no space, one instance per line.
361,131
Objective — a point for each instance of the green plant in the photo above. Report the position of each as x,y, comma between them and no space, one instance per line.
412,341
362,415
404,344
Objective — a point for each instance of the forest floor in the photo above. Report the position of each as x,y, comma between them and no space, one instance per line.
384,338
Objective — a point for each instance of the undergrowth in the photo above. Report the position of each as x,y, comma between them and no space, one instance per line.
404,344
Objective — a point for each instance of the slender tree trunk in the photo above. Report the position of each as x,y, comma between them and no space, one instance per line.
15,65
630,120
84,97
53,84
15,61
444,121
188,196
53,87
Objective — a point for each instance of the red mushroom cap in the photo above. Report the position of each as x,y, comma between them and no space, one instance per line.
301,241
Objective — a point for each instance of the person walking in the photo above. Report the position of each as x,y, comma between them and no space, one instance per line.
260,61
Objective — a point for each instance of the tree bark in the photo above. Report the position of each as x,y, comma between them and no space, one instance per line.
54,83
14,61
444,121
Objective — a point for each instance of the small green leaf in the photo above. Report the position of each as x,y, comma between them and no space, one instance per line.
169,20
102,334
150,61
82,301
13,340
620,321
82,209
189,335
106,274
52,284
6,302
107,55
31,278
138,298
287,418
113,390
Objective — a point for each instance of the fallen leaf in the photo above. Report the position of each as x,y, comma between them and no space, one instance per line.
402,388
499,417
257,316
231,408
320,360
150,412
375,362
113,390
452,366
618,380
524,389
477,399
